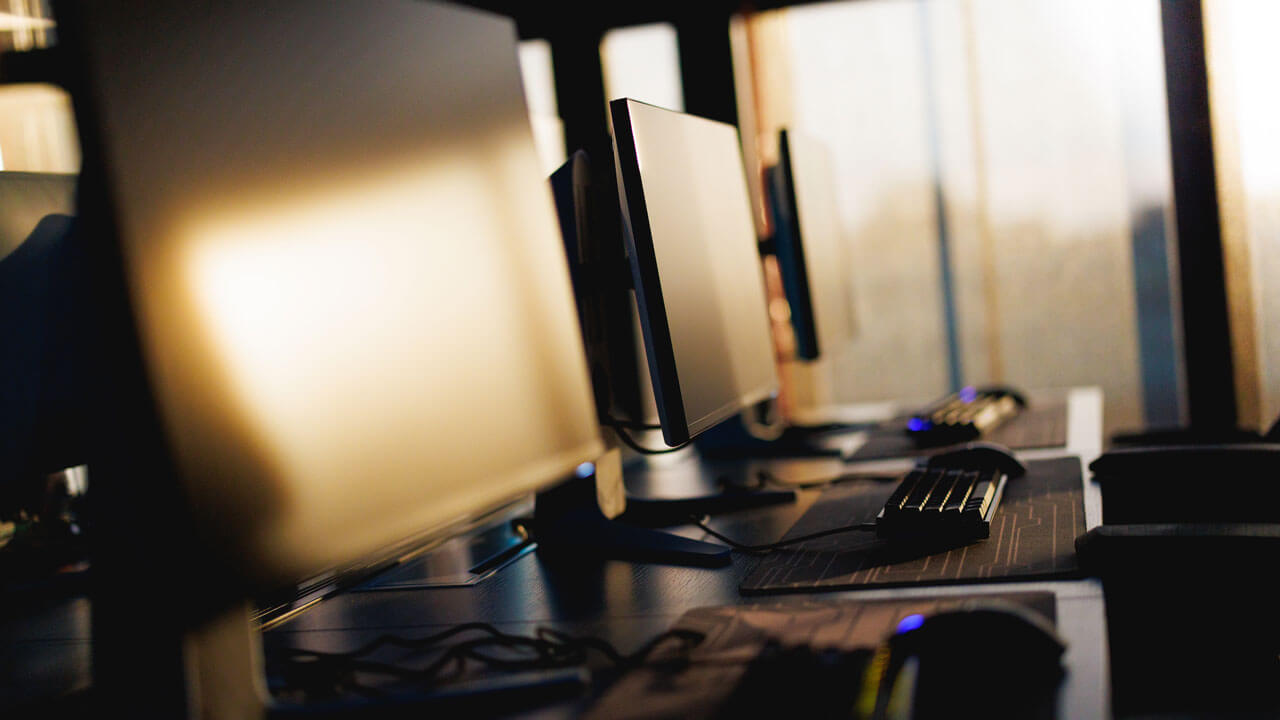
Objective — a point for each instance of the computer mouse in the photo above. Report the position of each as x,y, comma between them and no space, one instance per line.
978,455
982,658
982,627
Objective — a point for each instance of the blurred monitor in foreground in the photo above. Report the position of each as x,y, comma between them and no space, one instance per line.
695,266
331,238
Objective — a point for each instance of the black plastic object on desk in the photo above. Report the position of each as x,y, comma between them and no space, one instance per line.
1190,483
1196,436
1191,620
732,439
950,498
947,656
942,507
1190,533
978,456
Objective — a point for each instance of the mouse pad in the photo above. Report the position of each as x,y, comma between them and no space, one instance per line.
1042,425
1032,536
735,634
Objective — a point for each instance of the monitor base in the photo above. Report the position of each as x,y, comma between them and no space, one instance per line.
568,522
732,440
663,512
588,533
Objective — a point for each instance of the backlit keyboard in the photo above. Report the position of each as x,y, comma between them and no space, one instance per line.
963,416
942,504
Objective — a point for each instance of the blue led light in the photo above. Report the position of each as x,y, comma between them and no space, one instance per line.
910,622
968,394
917,424
585,470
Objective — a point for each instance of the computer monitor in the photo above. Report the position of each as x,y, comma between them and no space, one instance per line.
337,317
809,245
604,521
695,266
587,205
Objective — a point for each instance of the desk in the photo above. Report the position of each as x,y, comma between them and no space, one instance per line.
47,651
628,603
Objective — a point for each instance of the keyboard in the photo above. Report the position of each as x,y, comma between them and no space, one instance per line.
963,416
1032,536
942,505
1043,425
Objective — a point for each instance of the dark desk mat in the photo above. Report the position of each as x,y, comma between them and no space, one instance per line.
735,635
1032,536
1043,425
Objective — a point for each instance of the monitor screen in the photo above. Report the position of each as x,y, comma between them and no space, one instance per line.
809,246
695,264
345,273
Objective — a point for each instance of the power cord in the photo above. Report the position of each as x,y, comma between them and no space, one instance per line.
701,522
764,479
329,673
621,428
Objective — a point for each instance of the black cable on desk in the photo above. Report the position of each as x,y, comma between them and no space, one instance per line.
764,479
326,673
621,428
395,640
701,523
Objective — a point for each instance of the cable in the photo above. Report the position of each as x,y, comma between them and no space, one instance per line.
764,478
690,638
763,421
701,523
611,421
631,442
326,672
396,640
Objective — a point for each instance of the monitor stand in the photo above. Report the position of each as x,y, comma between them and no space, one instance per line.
733,439
663,512
573,520
569,521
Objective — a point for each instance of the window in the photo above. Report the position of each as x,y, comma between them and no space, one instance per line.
1003,170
